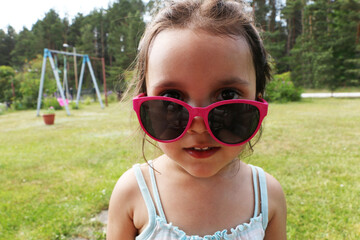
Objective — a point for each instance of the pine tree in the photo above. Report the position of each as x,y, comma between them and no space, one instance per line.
321,55
7,44
126,26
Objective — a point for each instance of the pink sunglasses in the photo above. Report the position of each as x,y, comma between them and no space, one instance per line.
229,122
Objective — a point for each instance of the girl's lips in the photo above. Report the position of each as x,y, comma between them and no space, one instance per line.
202,152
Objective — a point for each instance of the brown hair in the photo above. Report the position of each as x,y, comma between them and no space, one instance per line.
219,17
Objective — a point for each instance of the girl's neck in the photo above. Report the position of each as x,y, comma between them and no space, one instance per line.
169,167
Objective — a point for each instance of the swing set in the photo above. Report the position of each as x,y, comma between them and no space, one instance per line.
63,101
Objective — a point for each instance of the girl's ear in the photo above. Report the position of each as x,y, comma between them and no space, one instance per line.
259,95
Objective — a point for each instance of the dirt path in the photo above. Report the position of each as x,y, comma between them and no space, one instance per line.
329,95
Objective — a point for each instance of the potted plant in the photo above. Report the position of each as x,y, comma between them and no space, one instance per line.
49,116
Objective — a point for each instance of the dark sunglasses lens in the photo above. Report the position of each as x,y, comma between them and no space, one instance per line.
163,120
234,123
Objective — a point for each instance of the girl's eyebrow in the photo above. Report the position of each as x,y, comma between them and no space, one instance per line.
233,80
168,84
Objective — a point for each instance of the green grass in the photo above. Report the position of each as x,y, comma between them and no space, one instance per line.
55,179
313,149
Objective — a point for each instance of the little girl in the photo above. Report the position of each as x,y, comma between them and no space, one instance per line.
202,71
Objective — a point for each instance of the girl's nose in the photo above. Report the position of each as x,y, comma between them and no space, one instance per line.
197,126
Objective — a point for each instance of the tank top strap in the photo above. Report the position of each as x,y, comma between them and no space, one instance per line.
256,193
263,196
258,173
148,201
156,192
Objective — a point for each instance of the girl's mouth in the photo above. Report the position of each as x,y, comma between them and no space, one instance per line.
202,149
201,152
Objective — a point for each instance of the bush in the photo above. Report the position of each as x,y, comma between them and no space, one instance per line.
28,81
74,106
88,100
6,80
28,102
51,102
18,105
112,98
2,108
282,89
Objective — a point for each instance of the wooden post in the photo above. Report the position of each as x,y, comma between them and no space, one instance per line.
358,34
104,79
75,68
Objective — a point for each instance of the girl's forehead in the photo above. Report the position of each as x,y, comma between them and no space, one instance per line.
182,38
177,54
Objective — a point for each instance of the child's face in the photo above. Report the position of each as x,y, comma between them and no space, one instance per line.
199,69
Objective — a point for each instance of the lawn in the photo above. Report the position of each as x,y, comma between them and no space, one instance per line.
55,179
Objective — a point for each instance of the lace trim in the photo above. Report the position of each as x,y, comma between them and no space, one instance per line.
237,232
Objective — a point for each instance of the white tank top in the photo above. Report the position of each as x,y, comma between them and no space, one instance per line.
158,228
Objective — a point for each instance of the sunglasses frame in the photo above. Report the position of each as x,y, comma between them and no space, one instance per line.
203,112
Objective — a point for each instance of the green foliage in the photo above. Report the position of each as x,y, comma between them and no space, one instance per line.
49,31
2,108
126,27
323,54
354,68
74,106
25,48
88,100
51,102
30,81
49,110
282,89
6,80
7,44
17,105
275,44
112,98
119,79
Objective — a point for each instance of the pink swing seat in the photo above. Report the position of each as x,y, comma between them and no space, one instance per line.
61,102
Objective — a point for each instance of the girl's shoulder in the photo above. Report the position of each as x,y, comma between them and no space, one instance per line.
276,228
276,196
127,183
274,189
127,211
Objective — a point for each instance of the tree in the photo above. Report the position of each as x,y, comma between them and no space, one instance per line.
74,33
354,70
7,44
49,32
322,54
7,74
24,49
125,30
261,10
293,15
345,20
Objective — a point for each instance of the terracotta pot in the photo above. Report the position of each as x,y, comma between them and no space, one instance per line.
49,119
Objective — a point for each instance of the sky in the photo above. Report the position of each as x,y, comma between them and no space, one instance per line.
20,13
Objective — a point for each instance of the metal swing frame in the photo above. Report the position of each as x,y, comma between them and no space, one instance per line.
86,60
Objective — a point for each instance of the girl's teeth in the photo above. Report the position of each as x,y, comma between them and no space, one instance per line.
201,149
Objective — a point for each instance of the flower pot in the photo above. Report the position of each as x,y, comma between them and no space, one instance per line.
49,119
